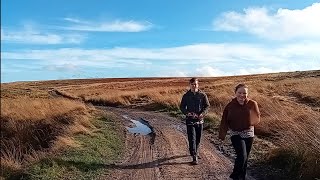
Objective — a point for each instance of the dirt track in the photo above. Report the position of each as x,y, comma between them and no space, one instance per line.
164,155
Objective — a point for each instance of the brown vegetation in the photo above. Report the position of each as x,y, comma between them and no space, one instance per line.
289,103
32,128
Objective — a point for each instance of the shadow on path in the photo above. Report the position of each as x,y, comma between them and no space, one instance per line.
85,166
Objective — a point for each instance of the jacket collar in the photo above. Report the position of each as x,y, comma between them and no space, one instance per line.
189,91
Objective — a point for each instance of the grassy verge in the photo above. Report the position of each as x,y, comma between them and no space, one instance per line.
211,122
93,158
288,164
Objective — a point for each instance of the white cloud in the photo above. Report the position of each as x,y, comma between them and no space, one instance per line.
208,59
274,69
112,26
74,20
208,71
31,36
202,53
63,67
258,70
172,73
203,71
284,24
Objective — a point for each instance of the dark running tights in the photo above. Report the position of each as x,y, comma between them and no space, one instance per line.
242,146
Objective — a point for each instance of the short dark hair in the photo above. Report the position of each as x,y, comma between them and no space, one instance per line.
192,80
240,86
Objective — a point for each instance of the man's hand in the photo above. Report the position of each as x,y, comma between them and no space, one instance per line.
193,115
190,114
200,116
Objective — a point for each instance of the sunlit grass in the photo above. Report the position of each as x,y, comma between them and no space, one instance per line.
289,104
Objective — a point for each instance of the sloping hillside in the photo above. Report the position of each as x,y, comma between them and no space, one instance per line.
289,102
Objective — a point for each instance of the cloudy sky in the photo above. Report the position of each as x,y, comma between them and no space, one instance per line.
42,40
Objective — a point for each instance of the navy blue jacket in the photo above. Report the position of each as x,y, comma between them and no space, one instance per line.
194,103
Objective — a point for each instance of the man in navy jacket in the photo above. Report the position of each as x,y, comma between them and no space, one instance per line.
194,105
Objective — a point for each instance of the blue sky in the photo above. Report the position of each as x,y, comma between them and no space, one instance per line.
43,40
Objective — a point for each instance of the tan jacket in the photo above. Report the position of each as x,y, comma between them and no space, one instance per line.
239,117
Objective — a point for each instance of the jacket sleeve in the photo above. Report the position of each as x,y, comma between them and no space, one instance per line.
183,105
205,105
223,124
257,111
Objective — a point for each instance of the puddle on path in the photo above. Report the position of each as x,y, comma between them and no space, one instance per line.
140,126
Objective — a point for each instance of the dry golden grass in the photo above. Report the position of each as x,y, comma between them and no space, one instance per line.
64,141
277,95
31,126
289,103
168,97
24,108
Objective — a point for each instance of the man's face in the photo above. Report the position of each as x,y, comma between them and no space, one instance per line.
194,86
